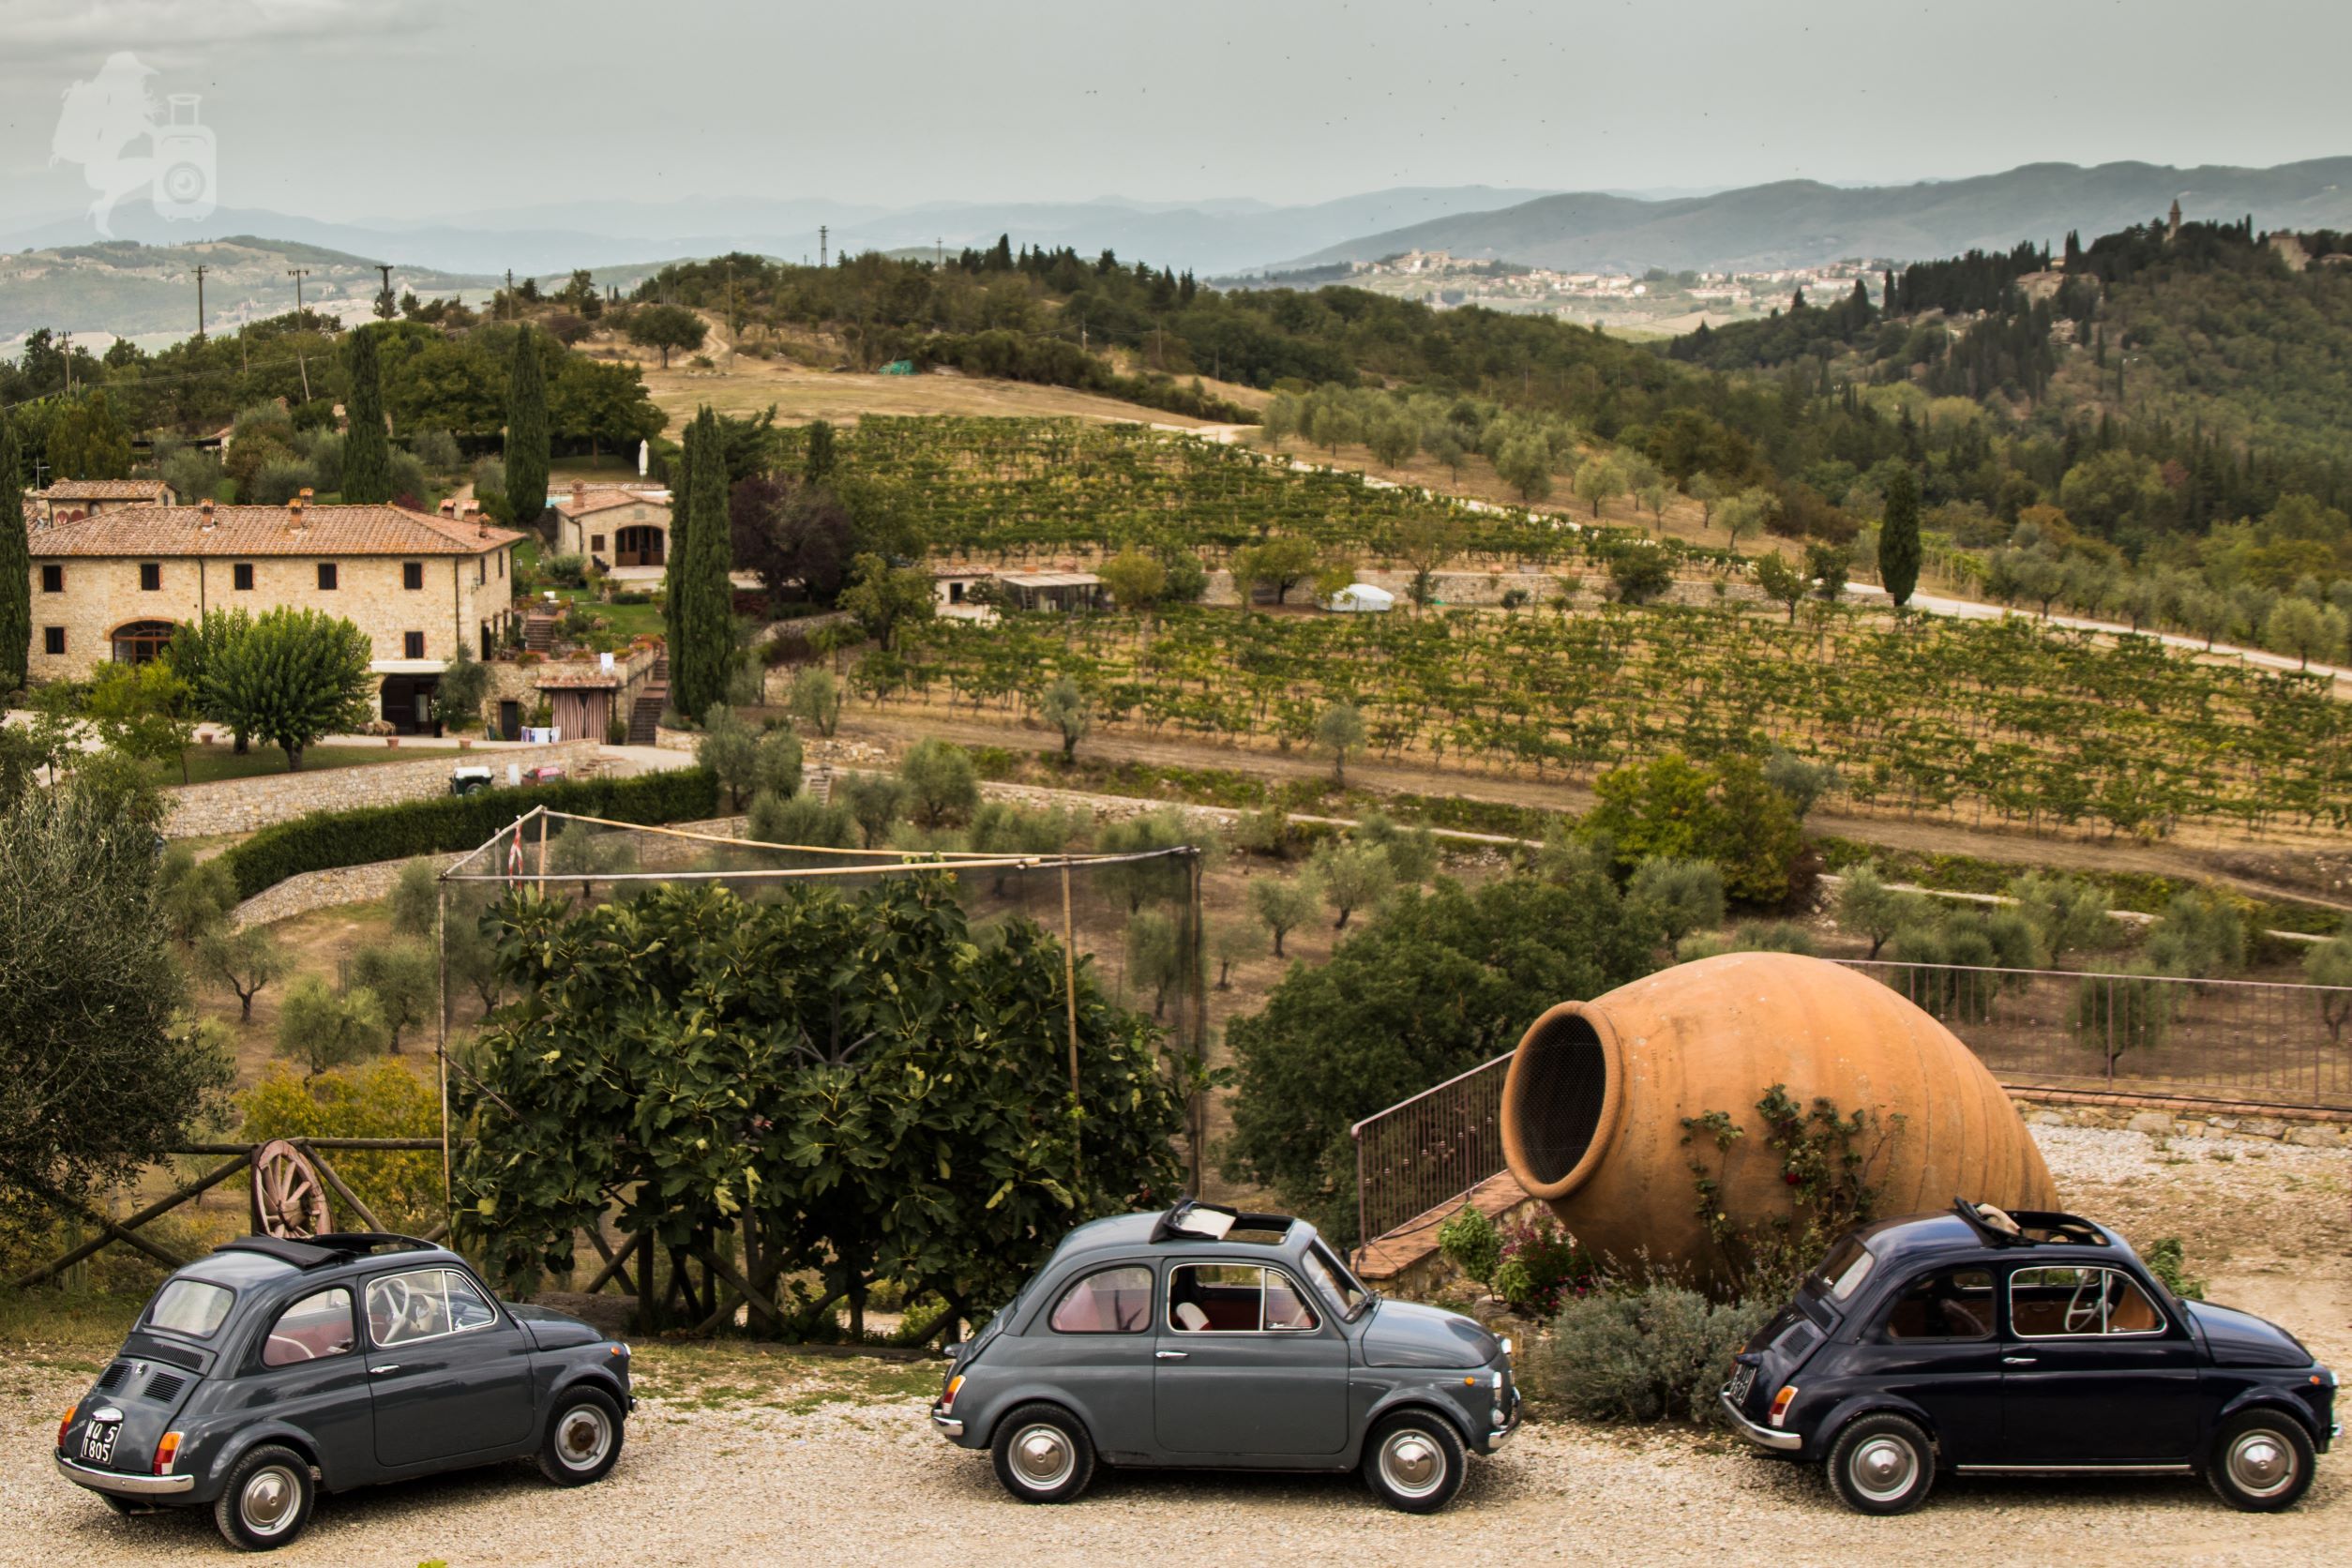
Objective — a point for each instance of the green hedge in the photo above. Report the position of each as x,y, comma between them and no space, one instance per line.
326,839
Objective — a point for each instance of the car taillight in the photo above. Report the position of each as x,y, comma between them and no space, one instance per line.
165,1452
948,1400
1781,1401
71,1411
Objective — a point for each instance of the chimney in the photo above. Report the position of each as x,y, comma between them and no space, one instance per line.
449,506
580,491
294,514
307,494
203,515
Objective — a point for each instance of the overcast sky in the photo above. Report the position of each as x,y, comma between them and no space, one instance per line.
418,109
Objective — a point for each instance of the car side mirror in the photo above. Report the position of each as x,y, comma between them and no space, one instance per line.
955,1349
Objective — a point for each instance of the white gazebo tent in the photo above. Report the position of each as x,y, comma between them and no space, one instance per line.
1361,599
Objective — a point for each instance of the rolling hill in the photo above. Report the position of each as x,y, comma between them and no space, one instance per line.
1804,223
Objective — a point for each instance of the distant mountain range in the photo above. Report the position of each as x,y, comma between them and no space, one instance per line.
1804,223
1205,237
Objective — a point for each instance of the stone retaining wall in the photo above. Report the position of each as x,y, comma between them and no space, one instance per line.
2315,1128
244,804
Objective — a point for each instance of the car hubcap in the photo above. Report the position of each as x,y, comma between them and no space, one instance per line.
2261,1464
583,1438
268,1504
1883,1469
1043,1457
1411,1464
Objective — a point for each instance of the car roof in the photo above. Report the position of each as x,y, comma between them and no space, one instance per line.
251,1261
2049,1236
1281,1235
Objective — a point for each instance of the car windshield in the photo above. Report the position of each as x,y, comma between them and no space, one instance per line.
190,1307
1843,1271
1338,1282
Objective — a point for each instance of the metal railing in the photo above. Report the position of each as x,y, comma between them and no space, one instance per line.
2254,1042
1424,1154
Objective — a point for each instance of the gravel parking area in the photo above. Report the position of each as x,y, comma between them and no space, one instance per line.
762,1456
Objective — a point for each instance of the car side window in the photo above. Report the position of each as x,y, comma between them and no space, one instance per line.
2078,1302
1949,1304
423,1303
1109,1300
314,1328
1235,1298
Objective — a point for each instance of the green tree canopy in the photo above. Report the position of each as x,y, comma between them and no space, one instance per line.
367,447
528,444
1898,538
16,566
290,677
1441,982
859,1089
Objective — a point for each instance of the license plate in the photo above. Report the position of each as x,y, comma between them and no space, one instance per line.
1743,1380
98,1442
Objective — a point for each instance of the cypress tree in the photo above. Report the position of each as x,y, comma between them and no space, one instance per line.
681,537
700,585
818,465
527,449
16,566
367,451
1898,539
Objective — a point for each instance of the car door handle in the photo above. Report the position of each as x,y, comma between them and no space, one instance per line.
380,1371
2017,1360
1172,1355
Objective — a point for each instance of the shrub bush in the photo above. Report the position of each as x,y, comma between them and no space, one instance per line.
1654,1352
1539,1266
371,833
1471,1244
2168,1261
382,1100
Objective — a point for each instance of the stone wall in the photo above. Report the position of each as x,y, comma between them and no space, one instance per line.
2313,1127
244,804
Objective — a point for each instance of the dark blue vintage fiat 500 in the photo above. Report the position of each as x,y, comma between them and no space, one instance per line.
1205,1338
1978,1341
273,1368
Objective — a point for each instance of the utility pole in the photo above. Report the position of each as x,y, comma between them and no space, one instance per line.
298,274
509,300
200,300
65,341
939,250
821,235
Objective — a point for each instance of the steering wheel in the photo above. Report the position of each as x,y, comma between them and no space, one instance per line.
398,1301
2079,1313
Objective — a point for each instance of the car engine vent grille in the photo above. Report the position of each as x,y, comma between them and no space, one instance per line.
164,1387
112,1375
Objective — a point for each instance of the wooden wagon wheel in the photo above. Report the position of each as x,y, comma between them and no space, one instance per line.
289,1199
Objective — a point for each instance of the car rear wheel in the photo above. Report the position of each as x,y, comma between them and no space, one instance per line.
267,1499
584,1439
1414,1462
1043,1454
2262,1461
1882,1463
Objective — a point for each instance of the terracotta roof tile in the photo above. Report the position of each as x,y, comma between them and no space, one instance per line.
104,490
247,531
604,500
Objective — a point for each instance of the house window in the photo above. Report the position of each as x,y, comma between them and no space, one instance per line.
241,577
52,640
412,574
412,644
481,568
137,642
596,541
501,563
53,580
327,574
150,576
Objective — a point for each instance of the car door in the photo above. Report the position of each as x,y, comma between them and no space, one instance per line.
1246,1363
1933,1343
448,1373
310,1372
2093,1372
1099,1341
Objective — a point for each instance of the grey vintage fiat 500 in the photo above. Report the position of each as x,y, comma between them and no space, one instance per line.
1201,1336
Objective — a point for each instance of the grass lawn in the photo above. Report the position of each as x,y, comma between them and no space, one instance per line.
629,620
208,764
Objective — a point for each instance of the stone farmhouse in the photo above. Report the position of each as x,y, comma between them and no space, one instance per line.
614,527
115,583
68,500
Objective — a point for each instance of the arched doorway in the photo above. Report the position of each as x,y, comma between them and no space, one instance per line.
137,642
638,545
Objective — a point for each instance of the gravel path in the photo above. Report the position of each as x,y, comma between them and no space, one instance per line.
744,1461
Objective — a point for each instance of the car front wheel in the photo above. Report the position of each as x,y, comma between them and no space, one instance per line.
1043,1454
1882,1463
267,1499
584,1439
1414,1462
2262,1461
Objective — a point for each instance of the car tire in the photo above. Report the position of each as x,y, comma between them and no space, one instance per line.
1414,1462
1882,1463
2261,1461
267,1499
583,1438
1043,1454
